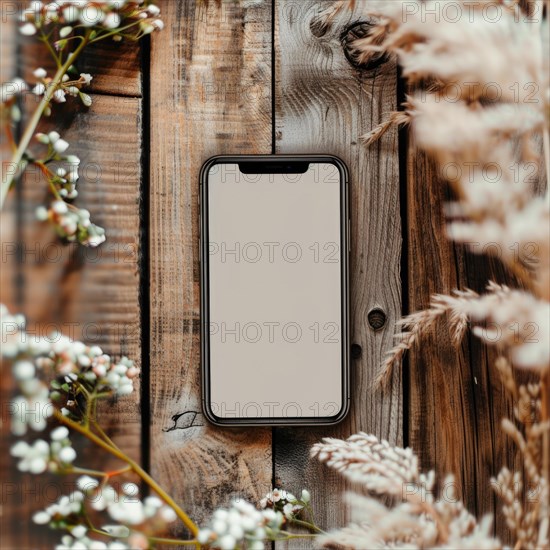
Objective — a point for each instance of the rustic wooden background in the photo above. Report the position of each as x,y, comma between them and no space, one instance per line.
243,77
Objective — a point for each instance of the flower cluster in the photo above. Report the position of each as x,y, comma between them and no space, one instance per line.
61,171
72,224
73,512
41,456
241,524
125,507
9,92
116,18
67,86
416,516
285,502
480,110
74,369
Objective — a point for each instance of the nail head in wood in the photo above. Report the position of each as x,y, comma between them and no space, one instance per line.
376,318
356,351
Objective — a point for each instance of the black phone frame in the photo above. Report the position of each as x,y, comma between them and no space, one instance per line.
268,163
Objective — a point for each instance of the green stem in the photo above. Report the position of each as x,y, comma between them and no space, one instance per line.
85,471
7,176
134,466
44,39
308,525
161,540
116,31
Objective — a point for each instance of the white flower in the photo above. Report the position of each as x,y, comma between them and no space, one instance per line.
87,483
42,138
59,207
23,370
306,497
86,99
72,176
71,13
40,73
35,6
11,89
227,542
65,31
146,28
59,96
204,536
41,213
67,455
79,531
31,410
33,459
91,15
53,136
72,159
153,10
112,21
60,433
39,89
127,511
60,146
242,522
86,77
28,29
167,514
41,518
158,24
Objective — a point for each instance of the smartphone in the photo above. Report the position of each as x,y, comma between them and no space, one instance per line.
274,245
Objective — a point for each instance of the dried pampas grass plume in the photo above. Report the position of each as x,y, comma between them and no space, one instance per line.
480,104
413,514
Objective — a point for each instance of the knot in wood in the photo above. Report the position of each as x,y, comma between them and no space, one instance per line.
376,318
364,60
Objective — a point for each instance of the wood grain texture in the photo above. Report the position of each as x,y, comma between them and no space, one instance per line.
456,398
93,294
114,66
323,105
210,94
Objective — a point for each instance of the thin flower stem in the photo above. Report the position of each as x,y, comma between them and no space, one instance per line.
7,175
134,466
118,472
307,525
46,41
161,540
98,428
156,540
85,471
54,191
117,31
105,437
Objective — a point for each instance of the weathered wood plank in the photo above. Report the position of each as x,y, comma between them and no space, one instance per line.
93,294
456,398
210,94
323,105
114,66
86,294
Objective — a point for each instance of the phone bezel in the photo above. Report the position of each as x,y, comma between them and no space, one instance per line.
204,291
